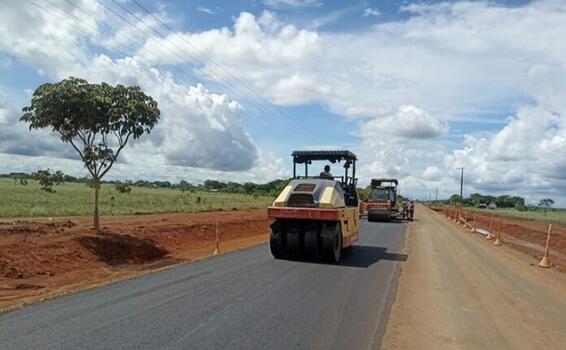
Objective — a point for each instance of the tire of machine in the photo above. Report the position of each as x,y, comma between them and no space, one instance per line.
331,242
295,240
313,241
277,240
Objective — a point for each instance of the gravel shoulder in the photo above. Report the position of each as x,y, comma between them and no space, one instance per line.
458,291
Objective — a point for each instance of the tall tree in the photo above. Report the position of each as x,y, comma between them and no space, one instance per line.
546,202
98,120
455,198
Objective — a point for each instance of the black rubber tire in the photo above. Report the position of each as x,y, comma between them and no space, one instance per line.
313,242
277,241
295,240
332,243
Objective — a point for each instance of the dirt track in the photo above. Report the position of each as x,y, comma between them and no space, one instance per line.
458,291
42,258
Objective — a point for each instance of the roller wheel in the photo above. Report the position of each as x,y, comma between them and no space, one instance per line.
313,242
295,241
277,241
332,243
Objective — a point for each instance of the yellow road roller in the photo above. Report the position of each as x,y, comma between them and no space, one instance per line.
316,216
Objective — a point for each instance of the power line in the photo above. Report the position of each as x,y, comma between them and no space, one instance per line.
140,59
546,148
204,54
219,80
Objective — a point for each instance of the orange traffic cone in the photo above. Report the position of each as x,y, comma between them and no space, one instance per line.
545,262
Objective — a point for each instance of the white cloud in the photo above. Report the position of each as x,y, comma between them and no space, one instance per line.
371,12
351,69
454,62
197,128
206,10
15,137
408,122
432,173
278,4
261,51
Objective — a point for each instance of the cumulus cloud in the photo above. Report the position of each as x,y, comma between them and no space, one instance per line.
260,50
15,137
408,122
408,79
362,74
198,128
432,173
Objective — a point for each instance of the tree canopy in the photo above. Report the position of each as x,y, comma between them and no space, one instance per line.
546,202
96,119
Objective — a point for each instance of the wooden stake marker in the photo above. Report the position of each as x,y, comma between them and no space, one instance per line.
489,235
475,223
545,262
217,249
498,237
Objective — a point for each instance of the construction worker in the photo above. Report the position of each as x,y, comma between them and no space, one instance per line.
326,173
405,210
411,210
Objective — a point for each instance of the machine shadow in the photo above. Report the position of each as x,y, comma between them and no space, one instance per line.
364,256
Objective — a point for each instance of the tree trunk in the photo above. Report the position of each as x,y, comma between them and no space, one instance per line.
96,223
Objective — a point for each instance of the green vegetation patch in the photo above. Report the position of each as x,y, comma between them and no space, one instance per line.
73,199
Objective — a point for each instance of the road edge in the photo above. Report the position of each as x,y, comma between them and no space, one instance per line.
390,302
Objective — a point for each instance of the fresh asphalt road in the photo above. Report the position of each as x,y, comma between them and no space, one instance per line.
240,300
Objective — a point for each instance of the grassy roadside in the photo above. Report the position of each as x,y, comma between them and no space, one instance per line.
74,199
557,216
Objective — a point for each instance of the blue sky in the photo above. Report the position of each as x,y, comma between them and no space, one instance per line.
415,88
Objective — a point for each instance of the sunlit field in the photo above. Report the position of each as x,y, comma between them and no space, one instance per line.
72,199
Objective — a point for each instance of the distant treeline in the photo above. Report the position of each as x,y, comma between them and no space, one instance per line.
475,199
269,188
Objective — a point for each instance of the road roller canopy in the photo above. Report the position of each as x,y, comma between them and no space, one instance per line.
331,156
307,157
384,182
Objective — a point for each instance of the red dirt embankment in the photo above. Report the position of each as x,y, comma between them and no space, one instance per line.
528,236
42,258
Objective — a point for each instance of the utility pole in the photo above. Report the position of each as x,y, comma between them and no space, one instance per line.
436,196
461,183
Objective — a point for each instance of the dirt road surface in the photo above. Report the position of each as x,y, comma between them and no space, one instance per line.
240,300
458,291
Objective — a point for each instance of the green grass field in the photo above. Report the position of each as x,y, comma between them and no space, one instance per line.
551,216
72,199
